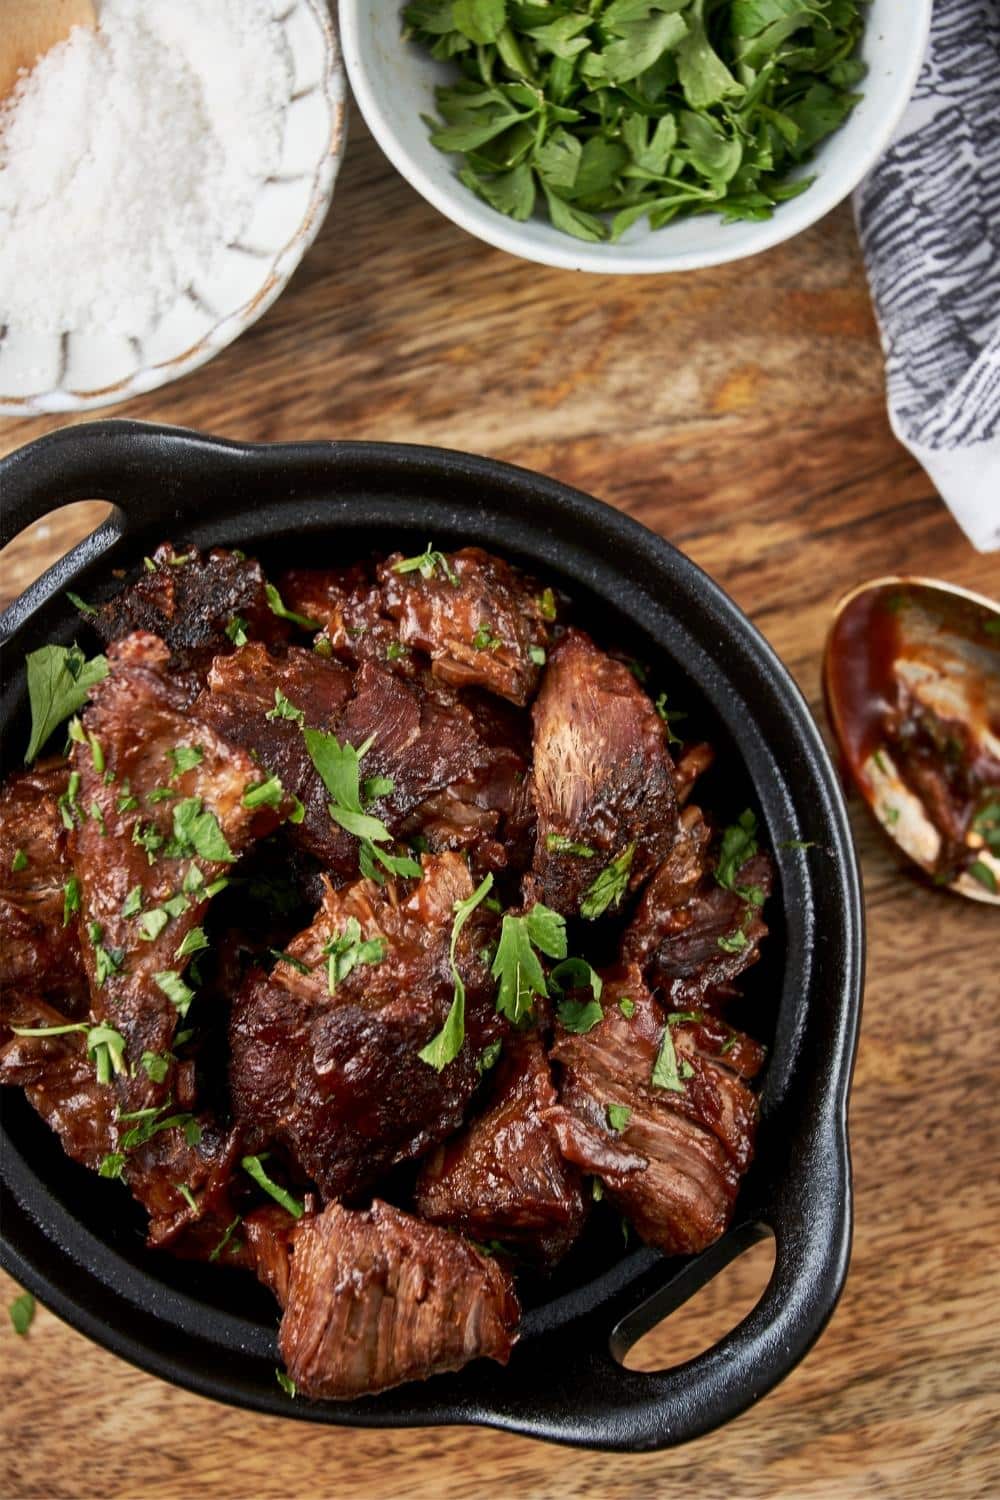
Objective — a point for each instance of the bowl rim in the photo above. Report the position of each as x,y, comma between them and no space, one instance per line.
462,207
156,476
281,266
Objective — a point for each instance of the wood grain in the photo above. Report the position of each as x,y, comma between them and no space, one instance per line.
740,412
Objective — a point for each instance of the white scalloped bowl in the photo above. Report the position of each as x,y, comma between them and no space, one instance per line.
52,373
393,82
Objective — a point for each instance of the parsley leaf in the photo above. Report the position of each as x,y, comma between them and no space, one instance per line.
253,1167
558,843
516,964
666,1074
22,1311
618,1116
284,708
197,831
609,887
59,680
428,561
170,983
277,607
344,952
446,1045
980,870
739,843
71,899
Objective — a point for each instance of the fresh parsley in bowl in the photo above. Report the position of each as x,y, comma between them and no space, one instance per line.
576,135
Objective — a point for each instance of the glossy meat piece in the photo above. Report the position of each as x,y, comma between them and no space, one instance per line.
157,1171
684,914
377,1298
267,1237
674,1168
39,952
602,774
348,603
478,618
237,699
124,844
503,1176
336,1078
59,1080
189,604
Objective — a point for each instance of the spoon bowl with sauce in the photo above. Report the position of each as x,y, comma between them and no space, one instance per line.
911,677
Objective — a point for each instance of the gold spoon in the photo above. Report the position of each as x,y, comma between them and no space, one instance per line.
911,676
28,28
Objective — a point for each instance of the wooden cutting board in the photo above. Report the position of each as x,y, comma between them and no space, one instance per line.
740,412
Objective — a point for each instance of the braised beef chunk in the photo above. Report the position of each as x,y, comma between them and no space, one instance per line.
602,781
265,1245
254,699
183,1177
481,621
659,1110
503,1177
158,817
39,943
190,601
348,603
693,936
59,1080
331,1070
376,1298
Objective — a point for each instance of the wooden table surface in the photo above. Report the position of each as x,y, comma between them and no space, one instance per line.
740,412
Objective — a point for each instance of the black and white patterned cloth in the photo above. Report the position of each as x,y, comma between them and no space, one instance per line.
929,220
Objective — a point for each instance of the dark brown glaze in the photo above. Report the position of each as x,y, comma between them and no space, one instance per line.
188,600
674,1166
479,625
157,1171
348,604
337,1078
684,913
238,697
138,716
377,1298
602,776
267,1238
503,1177
39,951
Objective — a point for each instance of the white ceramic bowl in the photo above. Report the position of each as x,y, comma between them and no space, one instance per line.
52,373
393,82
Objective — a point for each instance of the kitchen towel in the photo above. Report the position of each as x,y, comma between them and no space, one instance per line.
929,220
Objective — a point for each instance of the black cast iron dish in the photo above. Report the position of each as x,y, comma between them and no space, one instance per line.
75,1241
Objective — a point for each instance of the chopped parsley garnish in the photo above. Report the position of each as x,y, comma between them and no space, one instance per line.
801,844
537,655
447,1044
149,1123
281,956
105,1046
618,1116
739,843
22,1311
575,974
517,965
97,817
156,1065
627,1006
59,679
226,1237
111,1165
194,941
489,1057
670,717
267,793
276,606
253,1166
484,639
69,808
547,604
71,899
184,758
80,604
338,767
344,952
284,708
148,837
170,983
666,1074
152,923
733,942
125,802
197,831
986,824
107,961
187,1195
579,1016
133,902
890,815
19,862
558,843
609,887
395,650
285,1381
980,870
236,630
426,564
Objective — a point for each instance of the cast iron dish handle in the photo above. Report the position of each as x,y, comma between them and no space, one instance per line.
112,464
571,1385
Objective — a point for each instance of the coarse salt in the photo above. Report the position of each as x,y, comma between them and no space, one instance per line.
131,157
